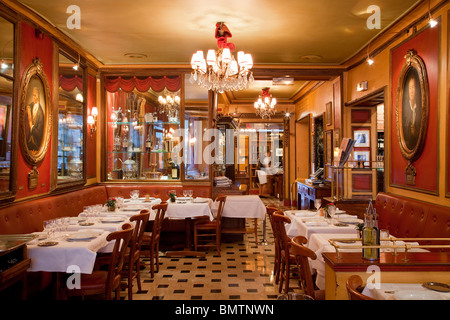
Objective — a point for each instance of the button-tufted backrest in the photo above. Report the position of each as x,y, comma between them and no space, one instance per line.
28,216
410,218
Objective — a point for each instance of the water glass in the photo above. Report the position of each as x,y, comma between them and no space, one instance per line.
318,204
134,194
384,235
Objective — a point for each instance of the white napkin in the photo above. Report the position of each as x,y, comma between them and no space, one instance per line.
340,216
304,213
316,223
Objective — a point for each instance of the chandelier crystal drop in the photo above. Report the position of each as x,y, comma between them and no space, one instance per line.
221,71
265,105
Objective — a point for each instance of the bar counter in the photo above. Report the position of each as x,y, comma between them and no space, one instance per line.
419,267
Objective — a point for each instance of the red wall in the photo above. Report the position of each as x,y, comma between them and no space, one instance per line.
30,48
426,44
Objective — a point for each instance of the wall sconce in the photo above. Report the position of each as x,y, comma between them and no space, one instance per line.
92,120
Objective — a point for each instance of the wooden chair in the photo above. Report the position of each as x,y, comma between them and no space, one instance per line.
277,263
105,282
208,233
355,287
302,255
150,241
133,255
287,260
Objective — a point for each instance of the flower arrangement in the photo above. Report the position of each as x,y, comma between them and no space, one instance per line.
327,207
172,195
111,202
359,227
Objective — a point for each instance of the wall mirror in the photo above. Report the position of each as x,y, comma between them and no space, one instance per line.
7,184
71,121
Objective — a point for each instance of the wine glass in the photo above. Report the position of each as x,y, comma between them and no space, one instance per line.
318,204
332,212
46,225
185,194
191,193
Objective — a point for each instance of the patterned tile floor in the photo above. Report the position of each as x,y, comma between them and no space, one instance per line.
242,272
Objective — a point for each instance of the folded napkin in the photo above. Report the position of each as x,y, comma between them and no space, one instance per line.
304,213
316,223
344,215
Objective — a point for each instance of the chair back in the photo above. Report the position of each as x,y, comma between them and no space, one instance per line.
270,211
221,199
302,255
281,237
140,220
354,287
122,239
160,211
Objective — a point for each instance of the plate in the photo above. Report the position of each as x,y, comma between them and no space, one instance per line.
82,236
437,286
86,224
47,243
346,241
350,220
200,200
341,224
112,220
129,208
417,295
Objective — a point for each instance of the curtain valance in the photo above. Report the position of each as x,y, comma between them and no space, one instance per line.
69,83
142,84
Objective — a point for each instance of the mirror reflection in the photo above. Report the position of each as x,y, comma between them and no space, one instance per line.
6,101
70,121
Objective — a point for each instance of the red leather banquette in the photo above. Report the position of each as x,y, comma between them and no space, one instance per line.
411,218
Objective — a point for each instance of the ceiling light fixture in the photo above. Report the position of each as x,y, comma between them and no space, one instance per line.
433,23
169,104
77,65
265,105
220,71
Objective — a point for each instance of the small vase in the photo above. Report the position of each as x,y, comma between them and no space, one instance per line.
112,208
172,199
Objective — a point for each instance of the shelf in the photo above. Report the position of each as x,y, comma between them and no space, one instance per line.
130,123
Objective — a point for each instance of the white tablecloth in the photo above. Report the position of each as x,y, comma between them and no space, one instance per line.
244,206
319,243
391,291
306,226
60,257
177,210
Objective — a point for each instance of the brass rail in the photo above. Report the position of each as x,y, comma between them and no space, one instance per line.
407,245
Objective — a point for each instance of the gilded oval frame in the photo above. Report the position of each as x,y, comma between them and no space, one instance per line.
413,63
34,77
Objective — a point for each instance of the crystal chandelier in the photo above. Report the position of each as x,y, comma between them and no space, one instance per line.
169,105
220,71
265,105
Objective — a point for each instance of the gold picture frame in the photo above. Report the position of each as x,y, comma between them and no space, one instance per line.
35,113
412,109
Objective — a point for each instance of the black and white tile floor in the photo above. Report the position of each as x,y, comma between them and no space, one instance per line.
242,272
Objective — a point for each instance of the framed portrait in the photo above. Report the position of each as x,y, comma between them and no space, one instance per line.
35,113
362,138
412,107
329,113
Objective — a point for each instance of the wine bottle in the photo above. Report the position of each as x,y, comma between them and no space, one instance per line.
175,171
124,144
370,236
148,143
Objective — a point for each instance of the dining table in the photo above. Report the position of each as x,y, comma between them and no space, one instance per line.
188,209
306,223
320,243
408,291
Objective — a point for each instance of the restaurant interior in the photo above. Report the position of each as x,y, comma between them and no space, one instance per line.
225,151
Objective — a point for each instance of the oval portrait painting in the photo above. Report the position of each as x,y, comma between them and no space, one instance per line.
35,113
412,107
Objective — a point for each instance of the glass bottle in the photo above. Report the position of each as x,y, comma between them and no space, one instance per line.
370,235
124,143
148,143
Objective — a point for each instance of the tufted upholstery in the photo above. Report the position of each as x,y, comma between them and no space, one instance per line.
410,218
28,216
